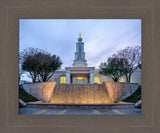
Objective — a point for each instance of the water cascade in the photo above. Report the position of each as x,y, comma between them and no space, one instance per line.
80,94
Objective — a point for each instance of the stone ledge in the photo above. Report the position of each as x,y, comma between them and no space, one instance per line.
81,106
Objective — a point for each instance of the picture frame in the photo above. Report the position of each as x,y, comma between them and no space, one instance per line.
12,11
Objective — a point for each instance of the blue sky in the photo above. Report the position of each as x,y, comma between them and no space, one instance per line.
101,37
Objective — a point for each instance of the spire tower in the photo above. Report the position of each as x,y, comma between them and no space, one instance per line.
80,54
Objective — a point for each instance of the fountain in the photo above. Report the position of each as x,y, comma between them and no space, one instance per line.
80,94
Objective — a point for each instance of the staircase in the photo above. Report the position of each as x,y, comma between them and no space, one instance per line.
80,94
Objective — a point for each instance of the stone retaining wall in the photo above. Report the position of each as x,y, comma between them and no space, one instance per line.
42,91
116,91
119,91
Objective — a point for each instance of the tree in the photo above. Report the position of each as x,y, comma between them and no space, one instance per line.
132,55
39,63
114,67
30,61
48,66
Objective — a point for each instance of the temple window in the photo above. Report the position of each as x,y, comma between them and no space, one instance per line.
122,79
63,80
96,79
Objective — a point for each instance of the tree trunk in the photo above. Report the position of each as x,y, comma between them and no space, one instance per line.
129,78
34,79
114,79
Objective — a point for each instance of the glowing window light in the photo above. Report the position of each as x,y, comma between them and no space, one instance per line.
79,80
63,80
79,77
122,79
96,80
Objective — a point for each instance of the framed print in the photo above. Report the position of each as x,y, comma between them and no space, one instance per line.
107,83
77,95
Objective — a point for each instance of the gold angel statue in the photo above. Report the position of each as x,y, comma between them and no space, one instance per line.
80,34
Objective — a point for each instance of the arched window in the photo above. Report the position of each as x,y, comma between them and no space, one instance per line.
63,80
96,79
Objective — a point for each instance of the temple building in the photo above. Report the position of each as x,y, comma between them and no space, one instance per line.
81,73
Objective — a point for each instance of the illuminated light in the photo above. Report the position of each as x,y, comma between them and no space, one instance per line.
63,80
80,80
96,79
79,77
122,79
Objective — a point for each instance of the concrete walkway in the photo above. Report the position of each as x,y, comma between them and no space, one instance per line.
31,111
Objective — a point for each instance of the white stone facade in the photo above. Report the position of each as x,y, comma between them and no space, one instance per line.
135,78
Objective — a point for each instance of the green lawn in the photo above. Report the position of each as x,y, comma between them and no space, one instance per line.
23,95
135,97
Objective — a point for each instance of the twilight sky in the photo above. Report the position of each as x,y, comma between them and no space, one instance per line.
101,37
